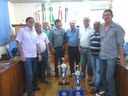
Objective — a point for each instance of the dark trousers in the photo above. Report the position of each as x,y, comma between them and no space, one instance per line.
43,65
74,57
58,55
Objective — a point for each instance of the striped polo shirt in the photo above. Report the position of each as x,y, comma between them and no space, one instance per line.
95,43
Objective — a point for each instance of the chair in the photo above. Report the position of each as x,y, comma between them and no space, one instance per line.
12,46
126,48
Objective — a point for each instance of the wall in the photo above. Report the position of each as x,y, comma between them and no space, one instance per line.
120,15
76,10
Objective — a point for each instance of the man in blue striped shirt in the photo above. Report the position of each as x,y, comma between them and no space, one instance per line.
95,60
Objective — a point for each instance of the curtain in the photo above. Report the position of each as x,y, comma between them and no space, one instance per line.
5,28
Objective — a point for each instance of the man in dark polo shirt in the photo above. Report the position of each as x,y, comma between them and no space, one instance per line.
57,42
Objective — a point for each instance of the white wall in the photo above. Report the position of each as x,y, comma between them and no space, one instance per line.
12,15
121,15
11,12
76,10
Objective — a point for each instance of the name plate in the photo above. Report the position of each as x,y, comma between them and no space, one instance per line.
76,92
64,92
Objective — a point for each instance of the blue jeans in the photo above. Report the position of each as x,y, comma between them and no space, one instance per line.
85,59
96,66
30,67
108,69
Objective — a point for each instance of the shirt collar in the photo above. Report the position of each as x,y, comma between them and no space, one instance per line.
27,28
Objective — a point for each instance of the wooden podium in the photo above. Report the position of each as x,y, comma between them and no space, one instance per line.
17,27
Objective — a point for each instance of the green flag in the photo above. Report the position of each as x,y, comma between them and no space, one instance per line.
51,17
43,13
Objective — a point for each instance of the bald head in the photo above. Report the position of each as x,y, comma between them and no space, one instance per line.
86,22
38,27
97,25
72,24
45,24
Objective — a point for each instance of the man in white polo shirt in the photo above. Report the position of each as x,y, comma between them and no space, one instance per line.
84,43
28,46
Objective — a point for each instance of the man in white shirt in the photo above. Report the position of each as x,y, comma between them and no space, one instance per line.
44,47
28,46
84,43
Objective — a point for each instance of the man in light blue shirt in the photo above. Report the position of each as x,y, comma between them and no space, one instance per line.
72,39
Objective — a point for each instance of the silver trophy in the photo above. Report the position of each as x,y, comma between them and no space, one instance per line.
63,68
77,76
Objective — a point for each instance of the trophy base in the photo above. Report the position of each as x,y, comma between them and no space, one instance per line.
63,83
64,92
76,92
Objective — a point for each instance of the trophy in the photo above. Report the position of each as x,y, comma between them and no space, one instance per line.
78,77
63,71
63,68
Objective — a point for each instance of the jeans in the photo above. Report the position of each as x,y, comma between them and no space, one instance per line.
58,55
85,59
108,69
96,66
30,67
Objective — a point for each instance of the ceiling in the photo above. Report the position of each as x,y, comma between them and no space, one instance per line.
46,1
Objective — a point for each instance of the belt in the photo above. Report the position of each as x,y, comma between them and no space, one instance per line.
44,52
84,47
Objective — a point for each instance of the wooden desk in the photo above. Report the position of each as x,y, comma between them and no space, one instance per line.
12,79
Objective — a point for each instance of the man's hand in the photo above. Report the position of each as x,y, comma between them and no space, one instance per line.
53,50
40,58
80,50
22,58
122,62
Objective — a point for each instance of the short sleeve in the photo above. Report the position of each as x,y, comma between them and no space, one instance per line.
20,35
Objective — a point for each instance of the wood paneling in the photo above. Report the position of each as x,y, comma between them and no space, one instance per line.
122,80
12,80
17,27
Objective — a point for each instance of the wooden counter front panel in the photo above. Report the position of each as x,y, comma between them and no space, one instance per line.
12,81
122,81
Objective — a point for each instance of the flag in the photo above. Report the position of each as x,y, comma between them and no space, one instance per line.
38,16
60,13
43,13
51,17
66,14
